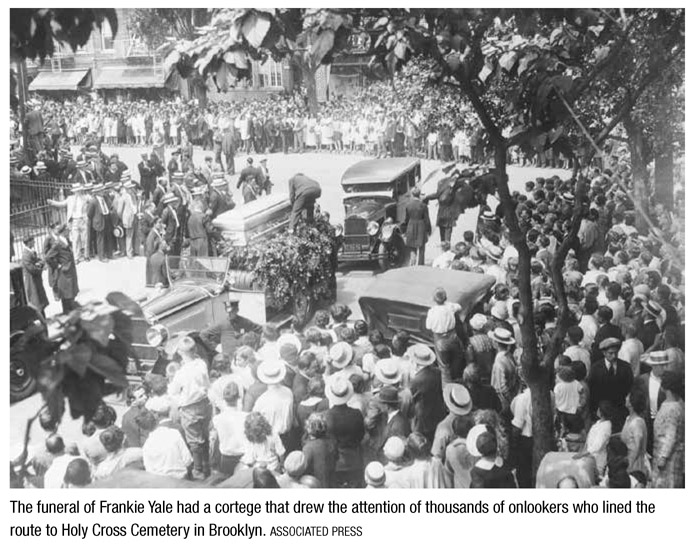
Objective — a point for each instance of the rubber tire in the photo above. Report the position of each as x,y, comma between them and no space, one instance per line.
383,259
24,386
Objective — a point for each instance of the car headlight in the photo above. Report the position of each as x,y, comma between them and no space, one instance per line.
157,335
339,230
373,228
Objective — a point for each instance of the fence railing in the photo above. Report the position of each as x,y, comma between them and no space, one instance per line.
30,212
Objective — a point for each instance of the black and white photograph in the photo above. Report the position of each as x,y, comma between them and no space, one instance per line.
347,248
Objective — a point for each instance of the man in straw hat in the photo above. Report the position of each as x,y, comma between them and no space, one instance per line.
649,385
125,207
426,391
650,331
610,380
189,391
458,401
276,403
346,426
171,222
504,377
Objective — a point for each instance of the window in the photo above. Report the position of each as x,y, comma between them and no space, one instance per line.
107,39
270,74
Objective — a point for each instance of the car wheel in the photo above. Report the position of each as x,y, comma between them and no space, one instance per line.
392,254
22,379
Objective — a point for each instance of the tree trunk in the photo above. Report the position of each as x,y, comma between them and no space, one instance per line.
663,172
640,175
311,88
536,377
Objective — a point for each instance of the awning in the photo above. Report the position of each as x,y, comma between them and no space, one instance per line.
56,81
116,78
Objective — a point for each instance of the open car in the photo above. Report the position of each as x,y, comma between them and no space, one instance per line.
400,299
376,192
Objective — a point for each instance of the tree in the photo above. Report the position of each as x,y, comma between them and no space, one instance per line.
522,70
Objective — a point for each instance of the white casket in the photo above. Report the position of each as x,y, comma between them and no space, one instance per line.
255,221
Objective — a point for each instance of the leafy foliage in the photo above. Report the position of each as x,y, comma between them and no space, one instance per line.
292,264
83,357
158,26
34,32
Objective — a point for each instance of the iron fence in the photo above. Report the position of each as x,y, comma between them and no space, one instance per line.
30,212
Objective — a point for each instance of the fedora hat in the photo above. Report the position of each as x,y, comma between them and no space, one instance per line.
421,354
341,355
658,358
375,475
457,398
388,395
339,390
502,336
388,371
271,372
118,231
609,343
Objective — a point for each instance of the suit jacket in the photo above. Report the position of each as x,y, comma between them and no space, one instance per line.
33,280
347,427
604,386
169,221
428,405
124,206
34,123
380,428
96,215
61,259
606,331
302,186
642,383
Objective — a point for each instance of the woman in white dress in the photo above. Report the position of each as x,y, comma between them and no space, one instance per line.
327,134
311,133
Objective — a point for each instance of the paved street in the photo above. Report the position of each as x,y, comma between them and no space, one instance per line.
98,279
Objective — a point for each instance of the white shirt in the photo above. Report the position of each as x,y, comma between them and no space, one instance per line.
165,453
631,352
521,410
654,388
589,325
444,260
276,405
596,442
579,354
442,318
190,383
567,396
230,426
55,475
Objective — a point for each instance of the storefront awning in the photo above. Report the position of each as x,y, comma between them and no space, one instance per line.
116,78
57,81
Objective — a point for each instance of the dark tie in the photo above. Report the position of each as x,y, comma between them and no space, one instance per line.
611,369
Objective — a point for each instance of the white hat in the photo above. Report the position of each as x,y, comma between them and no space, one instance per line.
421,354
457,398
159,404
472,438
339,390
271,372
375,475
289,338
341,355
394,448
478,321
387,371
502,336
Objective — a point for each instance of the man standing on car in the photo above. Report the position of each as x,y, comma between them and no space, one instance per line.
302,192
418,228
441,320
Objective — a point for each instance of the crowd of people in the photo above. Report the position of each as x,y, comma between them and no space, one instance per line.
338,405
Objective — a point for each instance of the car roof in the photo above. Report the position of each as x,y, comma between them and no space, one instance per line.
377,170
416,284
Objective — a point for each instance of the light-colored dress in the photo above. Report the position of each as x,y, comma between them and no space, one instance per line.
669,442
635,438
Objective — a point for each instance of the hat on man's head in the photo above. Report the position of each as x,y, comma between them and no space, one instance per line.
339,390
40,166
217,183
388,395
387,371
658,358
457,398
610,342
168,198
478,321
375,475
421,354
653,308
26,170
341,355
502,336
271,372
290,339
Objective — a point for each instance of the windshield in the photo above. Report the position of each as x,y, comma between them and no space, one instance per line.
365,207
209,269
368,187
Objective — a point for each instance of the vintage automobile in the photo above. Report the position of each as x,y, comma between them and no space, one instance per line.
199,286
376,192
400,299
24,320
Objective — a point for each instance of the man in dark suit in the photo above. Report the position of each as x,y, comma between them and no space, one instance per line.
610,380
34,127
347,428
171,222
417,226
426,391
61,259
33,266
649,384
303,192
147,175
605,330
98,211
384,420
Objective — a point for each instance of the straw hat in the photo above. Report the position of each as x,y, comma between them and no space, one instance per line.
341,355
658,358
502,336
421,354
457,398
387,371
271,372
339,391
168,198
289,338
